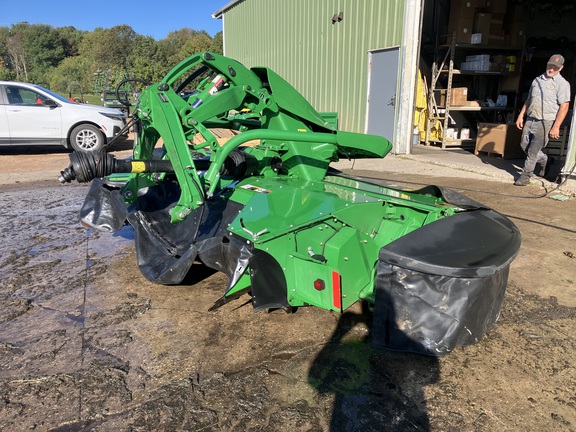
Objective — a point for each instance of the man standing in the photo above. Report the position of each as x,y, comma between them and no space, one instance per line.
545,110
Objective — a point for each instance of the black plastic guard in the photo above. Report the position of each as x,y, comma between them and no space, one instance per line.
103,209
442,286
269,286
167,251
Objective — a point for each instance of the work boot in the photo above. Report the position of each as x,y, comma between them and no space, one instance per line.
546,170
522,181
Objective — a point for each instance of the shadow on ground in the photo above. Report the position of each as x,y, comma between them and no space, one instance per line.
373,389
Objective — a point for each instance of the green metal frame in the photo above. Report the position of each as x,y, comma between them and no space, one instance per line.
324,231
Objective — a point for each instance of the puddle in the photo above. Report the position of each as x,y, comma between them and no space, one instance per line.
102,244
40,229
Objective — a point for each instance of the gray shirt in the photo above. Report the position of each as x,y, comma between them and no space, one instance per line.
546,95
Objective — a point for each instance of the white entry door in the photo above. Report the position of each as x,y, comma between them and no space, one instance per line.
382,88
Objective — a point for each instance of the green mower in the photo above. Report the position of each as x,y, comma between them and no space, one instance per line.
266,208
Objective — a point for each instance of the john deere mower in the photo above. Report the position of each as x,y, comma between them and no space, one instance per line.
266,208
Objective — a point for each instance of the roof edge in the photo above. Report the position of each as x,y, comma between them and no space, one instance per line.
218,14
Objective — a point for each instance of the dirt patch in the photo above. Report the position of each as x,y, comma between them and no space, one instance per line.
86,343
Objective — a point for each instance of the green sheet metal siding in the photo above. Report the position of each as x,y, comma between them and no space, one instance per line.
326,62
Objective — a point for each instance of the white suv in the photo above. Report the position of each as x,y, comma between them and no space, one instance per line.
33,115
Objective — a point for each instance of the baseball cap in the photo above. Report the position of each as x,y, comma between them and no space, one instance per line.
556,60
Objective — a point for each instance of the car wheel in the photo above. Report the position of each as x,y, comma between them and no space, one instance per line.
87,138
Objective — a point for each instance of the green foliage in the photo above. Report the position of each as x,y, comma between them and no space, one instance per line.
30,52
108,47
43,49
108,78
71,70
56,57
182,43
71,39
217,44
6,74
146,60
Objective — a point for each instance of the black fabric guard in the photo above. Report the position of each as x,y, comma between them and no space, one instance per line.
442,286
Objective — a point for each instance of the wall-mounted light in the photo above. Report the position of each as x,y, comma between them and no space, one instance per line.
337,17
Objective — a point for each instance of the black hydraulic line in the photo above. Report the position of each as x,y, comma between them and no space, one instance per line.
124,130
194,75
125,102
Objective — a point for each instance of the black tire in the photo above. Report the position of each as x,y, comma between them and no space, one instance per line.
87,138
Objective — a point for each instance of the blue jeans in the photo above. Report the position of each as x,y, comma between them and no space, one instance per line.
534,139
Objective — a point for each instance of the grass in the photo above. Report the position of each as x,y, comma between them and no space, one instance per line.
94,99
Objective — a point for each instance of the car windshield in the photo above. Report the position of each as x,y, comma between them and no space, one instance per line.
54,95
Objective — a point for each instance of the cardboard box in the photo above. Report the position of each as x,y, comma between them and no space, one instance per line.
459,96
482,22
499,139
499,58
515,25
497,26
495,40
518,34
517,13
496,6
463,29
465,8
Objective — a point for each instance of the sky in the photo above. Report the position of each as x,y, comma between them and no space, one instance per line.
154,18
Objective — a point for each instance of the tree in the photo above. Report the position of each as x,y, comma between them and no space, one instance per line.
197,42
56,56
71,69
146,61
17,56
32,51
71,40
217,45
107,50
5,70
109,47
180,44
44,50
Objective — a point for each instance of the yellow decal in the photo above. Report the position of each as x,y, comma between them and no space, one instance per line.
138,167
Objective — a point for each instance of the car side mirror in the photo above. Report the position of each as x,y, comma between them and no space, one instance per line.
50,103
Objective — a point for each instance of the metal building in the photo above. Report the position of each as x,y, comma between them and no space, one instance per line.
358,58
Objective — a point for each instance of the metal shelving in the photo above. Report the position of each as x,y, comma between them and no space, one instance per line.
439,116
